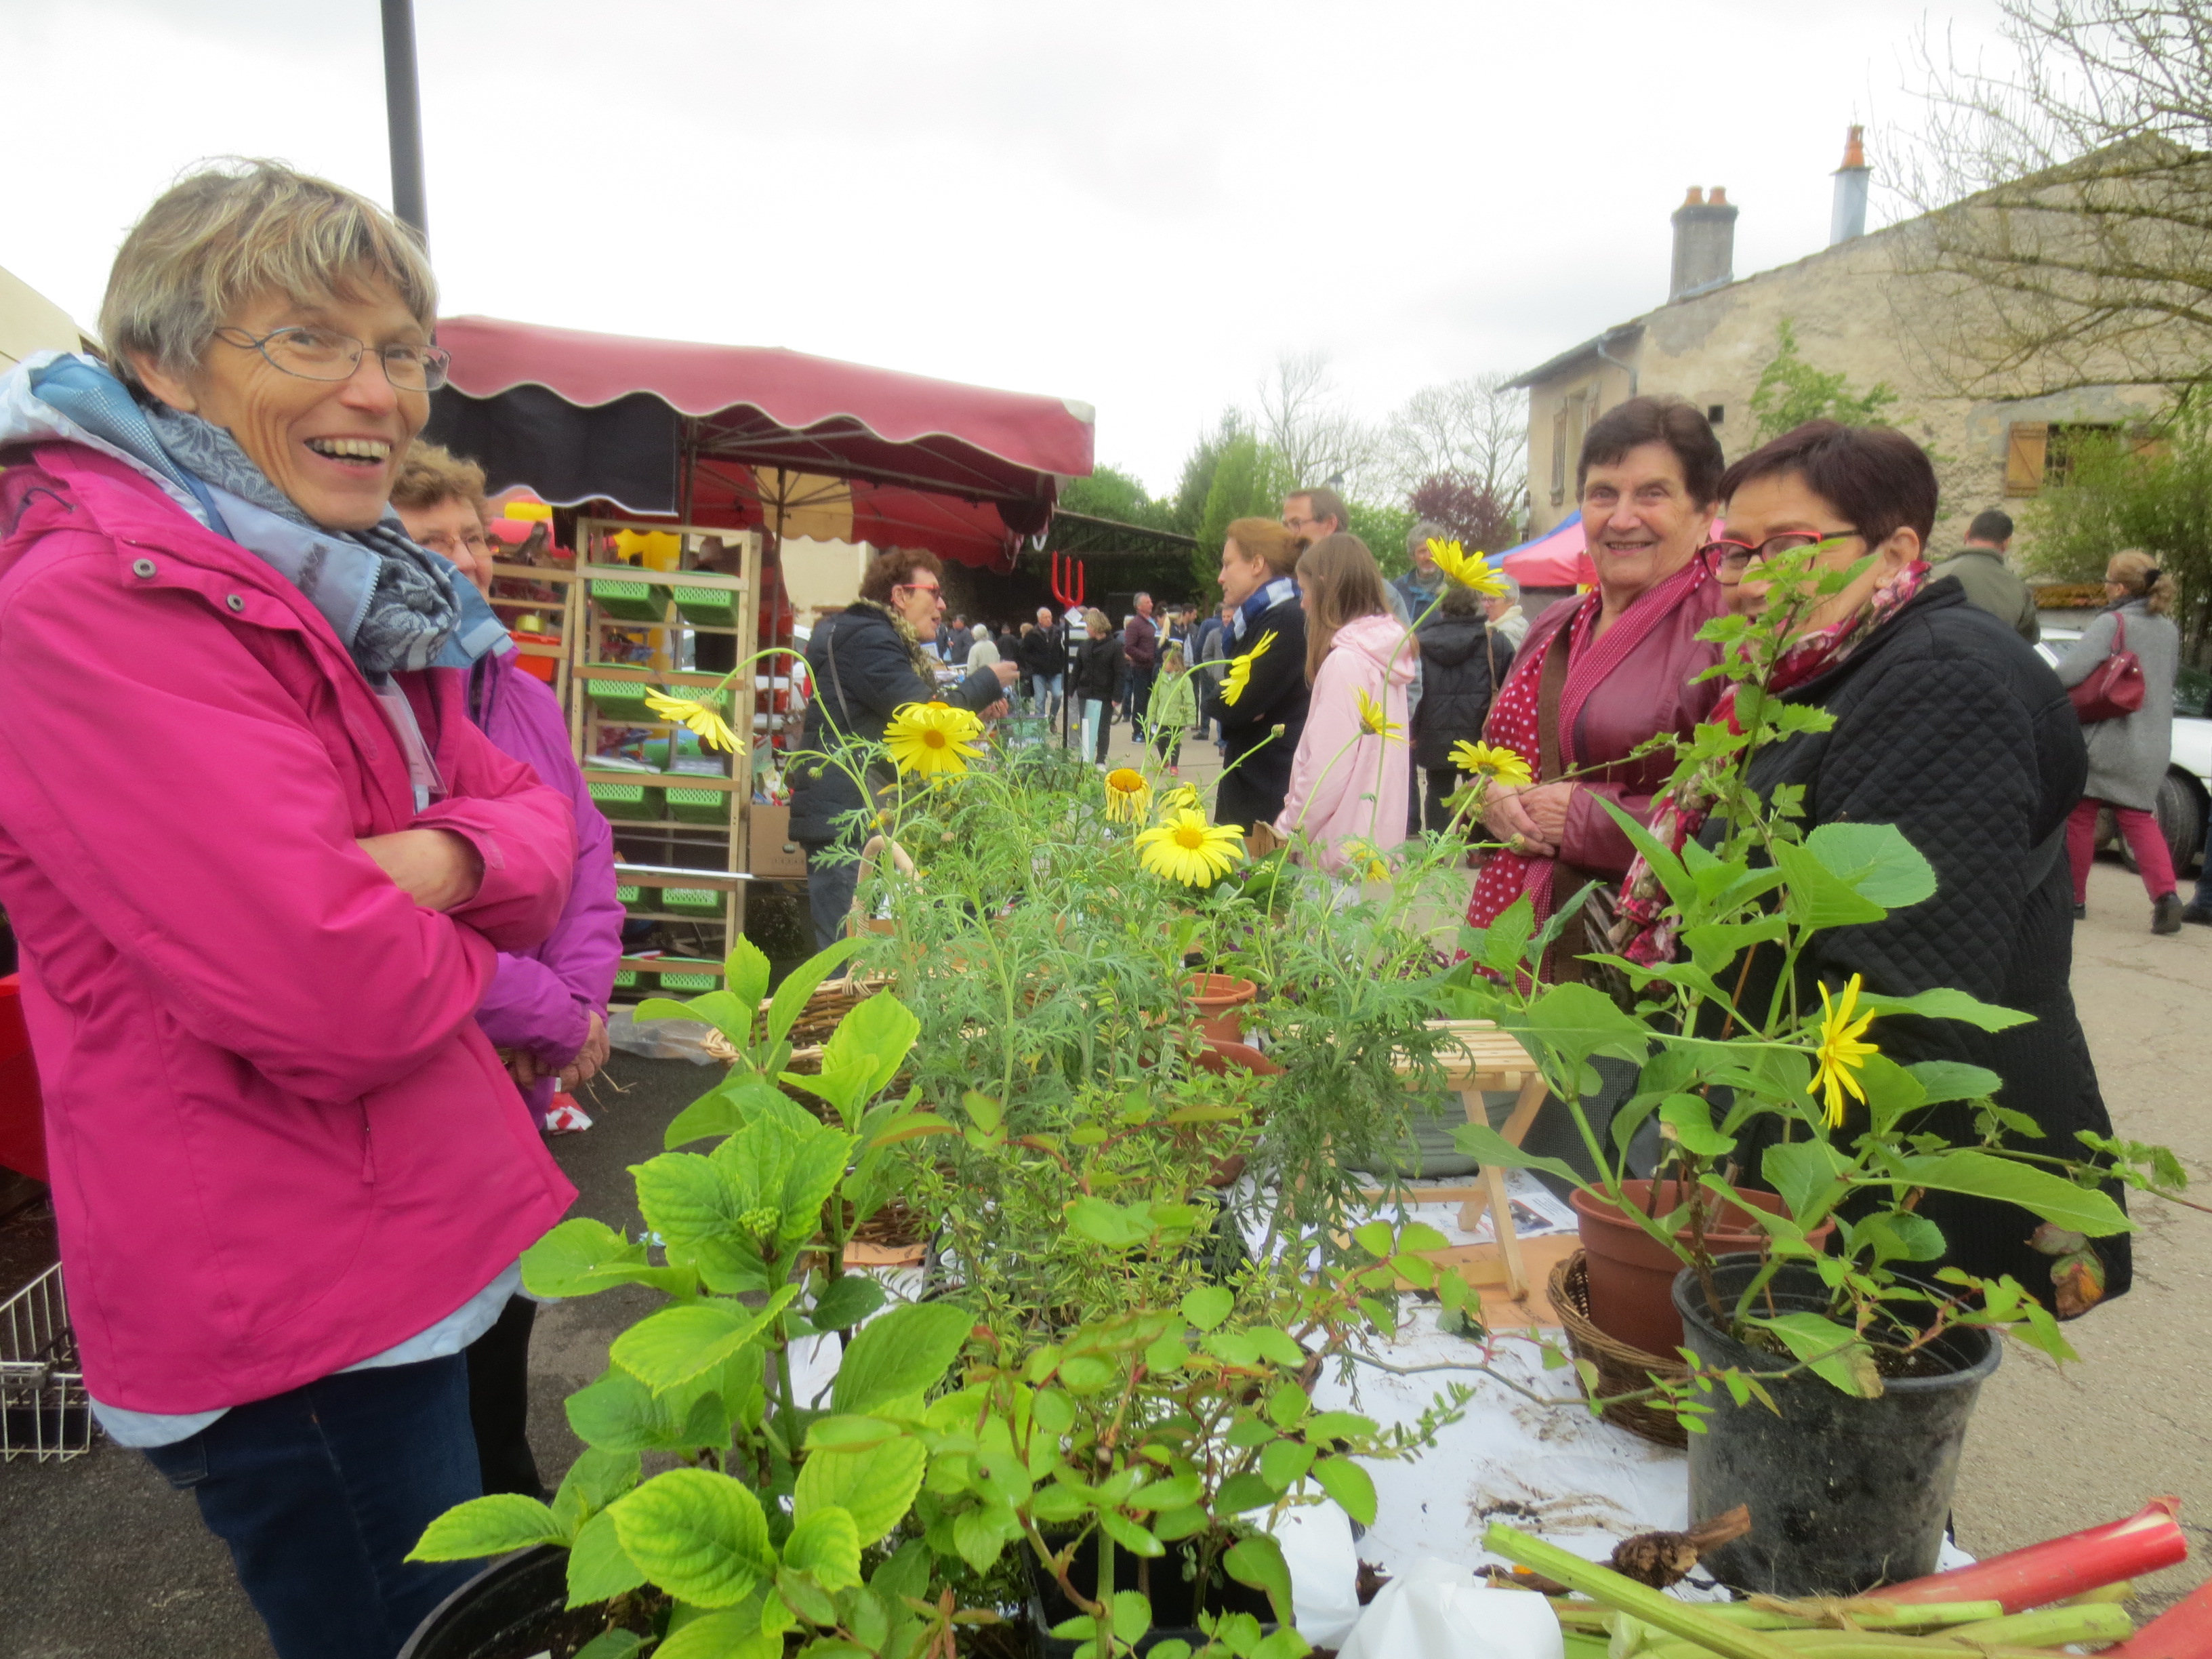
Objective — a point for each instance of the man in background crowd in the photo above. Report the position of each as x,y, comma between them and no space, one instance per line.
1992,584
1141,644
1044,654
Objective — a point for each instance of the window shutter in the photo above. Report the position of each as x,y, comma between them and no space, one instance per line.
1559,455
2026,443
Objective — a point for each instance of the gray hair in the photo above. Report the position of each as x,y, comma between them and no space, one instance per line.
1512,594
222,236
1424,531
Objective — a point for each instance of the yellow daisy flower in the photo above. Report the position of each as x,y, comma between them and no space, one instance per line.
1127,793
1488,761
714,731
1182,795
1374,718
1467,570
932,739
1841,1053
1240,670
1185,847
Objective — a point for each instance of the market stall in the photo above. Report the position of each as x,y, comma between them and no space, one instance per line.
672,477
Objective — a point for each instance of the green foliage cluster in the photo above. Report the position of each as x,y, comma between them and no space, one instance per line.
2150,489
1791,391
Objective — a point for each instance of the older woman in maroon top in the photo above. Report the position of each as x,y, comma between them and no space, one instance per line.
1600,675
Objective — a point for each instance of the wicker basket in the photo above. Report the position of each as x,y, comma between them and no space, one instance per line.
817,1020
1620,1369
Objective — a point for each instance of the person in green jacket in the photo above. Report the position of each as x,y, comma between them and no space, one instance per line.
1992,584
1174,709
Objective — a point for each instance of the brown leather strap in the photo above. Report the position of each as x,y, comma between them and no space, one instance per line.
1551,685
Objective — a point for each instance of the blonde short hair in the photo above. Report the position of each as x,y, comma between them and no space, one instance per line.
432,473
219,237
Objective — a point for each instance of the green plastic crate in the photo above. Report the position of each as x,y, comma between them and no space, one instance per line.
621,699
631,601
698,805
638,901
688,984
691,901
629,978
633,803
709,607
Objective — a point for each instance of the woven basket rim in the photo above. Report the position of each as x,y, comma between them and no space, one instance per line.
1621,1367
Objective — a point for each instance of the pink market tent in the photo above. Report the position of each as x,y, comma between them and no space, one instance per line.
1557,558
743,435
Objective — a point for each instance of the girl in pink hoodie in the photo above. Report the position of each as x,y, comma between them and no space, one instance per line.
1348,778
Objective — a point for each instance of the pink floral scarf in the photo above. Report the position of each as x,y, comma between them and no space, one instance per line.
1642,931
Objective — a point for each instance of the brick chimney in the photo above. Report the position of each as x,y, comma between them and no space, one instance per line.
1705,243
1847,218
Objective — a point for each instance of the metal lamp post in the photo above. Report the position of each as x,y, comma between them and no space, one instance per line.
402,110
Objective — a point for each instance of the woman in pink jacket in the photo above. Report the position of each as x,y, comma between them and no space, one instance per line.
1351,755
261,865
547,1006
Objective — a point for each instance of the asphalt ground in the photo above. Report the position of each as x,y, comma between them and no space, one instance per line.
100,1560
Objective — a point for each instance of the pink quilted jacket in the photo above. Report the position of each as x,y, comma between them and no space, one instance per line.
279,1142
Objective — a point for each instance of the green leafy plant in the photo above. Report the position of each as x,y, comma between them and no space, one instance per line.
1743,1076
779,1521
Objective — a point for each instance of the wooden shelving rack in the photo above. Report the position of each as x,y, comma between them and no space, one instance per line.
676,599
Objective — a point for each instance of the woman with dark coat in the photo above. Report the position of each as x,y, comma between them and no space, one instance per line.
1262,710
1462,665
868,662
1098,669
1948,726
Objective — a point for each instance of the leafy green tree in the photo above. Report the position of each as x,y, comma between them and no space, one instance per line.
1791,391
1247,480
2148,488
1385,529
1108,493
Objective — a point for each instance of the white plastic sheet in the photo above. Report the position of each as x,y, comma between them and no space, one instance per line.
1437,1611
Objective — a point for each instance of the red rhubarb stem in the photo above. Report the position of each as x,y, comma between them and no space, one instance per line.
2061,1567
2183,1631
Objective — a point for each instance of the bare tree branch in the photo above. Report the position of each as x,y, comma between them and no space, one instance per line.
1302,419
1475,429
2065,201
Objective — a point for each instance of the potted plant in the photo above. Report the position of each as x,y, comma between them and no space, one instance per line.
770,1529
1138,1402
1827,1329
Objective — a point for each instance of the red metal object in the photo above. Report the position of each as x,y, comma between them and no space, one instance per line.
1068,591
2062,1567
22,1127
2183,1631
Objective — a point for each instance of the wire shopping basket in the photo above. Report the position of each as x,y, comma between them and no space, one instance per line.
43,1411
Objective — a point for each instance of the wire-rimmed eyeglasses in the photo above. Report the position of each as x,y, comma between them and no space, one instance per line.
323,353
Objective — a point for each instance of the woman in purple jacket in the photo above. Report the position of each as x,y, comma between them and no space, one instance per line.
546,1008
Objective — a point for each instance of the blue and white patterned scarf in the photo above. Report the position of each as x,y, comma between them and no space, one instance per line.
394,605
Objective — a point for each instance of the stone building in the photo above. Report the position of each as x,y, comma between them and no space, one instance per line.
1857,307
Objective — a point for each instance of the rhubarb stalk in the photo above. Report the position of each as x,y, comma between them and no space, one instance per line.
2062,1567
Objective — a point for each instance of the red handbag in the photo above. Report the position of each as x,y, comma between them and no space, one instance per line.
2115,686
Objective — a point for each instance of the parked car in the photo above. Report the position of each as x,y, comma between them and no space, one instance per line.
2184,799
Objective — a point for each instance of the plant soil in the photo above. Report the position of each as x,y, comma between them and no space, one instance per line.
567,1633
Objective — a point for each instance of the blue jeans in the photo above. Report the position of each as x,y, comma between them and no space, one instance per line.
321,1491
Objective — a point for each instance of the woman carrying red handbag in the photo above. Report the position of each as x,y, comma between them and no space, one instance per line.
2127,655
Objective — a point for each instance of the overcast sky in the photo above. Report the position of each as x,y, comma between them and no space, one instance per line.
1136,205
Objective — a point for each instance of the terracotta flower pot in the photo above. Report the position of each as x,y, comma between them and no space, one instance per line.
1217,997
1632,1275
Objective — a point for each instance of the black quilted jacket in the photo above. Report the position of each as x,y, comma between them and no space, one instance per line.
1950,727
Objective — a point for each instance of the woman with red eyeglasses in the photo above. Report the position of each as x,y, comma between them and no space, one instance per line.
1948,726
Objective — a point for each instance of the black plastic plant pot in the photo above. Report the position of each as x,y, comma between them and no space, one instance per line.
515,1601
1167,1586
1846,1493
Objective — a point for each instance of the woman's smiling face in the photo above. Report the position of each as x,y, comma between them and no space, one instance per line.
334,447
